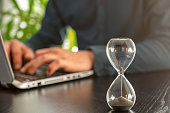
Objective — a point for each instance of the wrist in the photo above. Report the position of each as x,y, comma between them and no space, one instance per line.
89,57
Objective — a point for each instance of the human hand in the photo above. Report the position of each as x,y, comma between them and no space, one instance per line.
16,50
60,58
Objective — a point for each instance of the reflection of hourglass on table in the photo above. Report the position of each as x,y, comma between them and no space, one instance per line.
121,95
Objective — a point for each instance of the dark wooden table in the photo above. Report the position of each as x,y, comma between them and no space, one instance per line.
88,96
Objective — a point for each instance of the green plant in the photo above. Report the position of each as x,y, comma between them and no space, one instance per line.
20,24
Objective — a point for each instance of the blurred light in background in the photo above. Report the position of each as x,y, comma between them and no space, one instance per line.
23,4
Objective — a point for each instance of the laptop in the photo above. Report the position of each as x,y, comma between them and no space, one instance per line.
8,77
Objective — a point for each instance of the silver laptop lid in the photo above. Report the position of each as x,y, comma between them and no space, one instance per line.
6,73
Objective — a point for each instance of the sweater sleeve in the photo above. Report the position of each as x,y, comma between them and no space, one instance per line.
50,31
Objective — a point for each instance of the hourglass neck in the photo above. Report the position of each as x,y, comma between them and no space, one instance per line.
121,71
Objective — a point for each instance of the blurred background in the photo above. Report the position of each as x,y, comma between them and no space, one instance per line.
20,19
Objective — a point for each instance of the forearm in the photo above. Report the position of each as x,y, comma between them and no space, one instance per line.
151,55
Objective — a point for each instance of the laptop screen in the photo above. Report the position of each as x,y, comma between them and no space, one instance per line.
6,74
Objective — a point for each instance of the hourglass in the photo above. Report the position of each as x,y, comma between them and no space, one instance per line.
120,95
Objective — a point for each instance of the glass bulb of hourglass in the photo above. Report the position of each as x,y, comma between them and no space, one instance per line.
120,95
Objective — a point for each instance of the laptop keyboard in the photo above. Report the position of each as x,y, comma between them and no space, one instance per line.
40,74
24,76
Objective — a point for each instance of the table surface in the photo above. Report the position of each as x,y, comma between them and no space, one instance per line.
89,96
